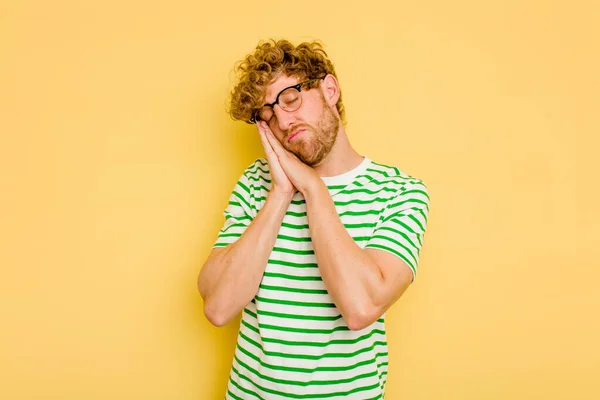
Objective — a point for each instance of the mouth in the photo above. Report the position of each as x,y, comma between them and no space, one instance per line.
295,134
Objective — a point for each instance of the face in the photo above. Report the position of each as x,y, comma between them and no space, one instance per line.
310,131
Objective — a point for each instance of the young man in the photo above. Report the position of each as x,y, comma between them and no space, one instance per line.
319,241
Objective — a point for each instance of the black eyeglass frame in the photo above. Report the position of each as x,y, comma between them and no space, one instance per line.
297,86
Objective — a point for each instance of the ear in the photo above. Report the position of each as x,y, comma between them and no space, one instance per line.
331,90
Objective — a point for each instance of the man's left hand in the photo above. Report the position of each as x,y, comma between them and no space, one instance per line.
302,176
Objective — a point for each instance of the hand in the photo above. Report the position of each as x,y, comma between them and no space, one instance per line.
299,174
280,181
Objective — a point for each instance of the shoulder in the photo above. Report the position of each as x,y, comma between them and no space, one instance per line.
256,180
395,179
257,171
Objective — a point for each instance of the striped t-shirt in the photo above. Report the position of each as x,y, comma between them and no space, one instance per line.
293,342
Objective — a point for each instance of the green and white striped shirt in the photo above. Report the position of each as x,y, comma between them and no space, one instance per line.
293,342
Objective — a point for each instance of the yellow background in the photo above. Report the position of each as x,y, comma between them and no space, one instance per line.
117,159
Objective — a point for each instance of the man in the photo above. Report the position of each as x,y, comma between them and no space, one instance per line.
318,241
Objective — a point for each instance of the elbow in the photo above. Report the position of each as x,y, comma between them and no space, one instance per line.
214,315
360,319
356,323
215,319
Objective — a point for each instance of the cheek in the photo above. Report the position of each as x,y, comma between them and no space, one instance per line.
313,112
279,137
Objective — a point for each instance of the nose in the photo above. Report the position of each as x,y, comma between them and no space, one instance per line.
285,120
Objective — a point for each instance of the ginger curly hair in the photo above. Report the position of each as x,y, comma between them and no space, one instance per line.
271,59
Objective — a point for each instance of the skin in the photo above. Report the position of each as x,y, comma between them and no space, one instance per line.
363,283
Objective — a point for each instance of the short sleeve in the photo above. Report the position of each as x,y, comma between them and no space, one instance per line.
402,224
239,213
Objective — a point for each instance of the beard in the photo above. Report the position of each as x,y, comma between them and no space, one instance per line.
313,149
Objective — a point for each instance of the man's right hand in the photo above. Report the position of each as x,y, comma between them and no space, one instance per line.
280,181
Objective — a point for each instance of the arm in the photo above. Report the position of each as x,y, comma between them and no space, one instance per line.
231,275
362,283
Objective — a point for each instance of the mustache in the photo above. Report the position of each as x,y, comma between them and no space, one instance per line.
295,128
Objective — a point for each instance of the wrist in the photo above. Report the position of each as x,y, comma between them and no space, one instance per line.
280,196
314,188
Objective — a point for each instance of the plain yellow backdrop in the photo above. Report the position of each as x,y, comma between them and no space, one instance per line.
117,159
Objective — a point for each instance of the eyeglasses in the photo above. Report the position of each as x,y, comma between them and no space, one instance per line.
289,99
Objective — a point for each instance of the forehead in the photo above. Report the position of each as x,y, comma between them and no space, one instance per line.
277,85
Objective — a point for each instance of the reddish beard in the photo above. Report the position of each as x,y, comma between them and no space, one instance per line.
314,144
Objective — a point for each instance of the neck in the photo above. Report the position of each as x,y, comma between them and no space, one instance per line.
341,159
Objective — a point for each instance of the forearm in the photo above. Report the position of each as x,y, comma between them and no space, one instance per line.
230,278
350,276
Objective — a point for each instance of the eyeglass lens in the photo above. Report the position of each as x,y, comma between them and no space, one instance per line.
289,100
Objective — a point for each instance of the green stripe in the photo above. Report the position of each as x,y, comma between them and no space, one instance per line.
261,161
404,235
256,168
220,244
392,240
304,383
293,290
394,173
246,189
298,202
359,201
296,214
308,238
320,344
293,264
294,226
300,330
303,317
233,395
367,191
236,225
256,358
223,235
378,246
417,222
239,196
336,187
392,180
294,239
292,251
420,191
243,389
304,396
259,178
418,201
239,218
293,277
303,330
295,303
363,225
261,188
402,224
249,326
359,213
310,356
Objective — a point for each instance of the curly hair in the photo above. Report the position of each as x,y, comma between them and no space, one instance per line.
271,59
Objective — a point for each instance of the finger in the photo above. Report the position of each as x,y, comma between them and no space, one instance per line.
278,148
275,144
263,138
